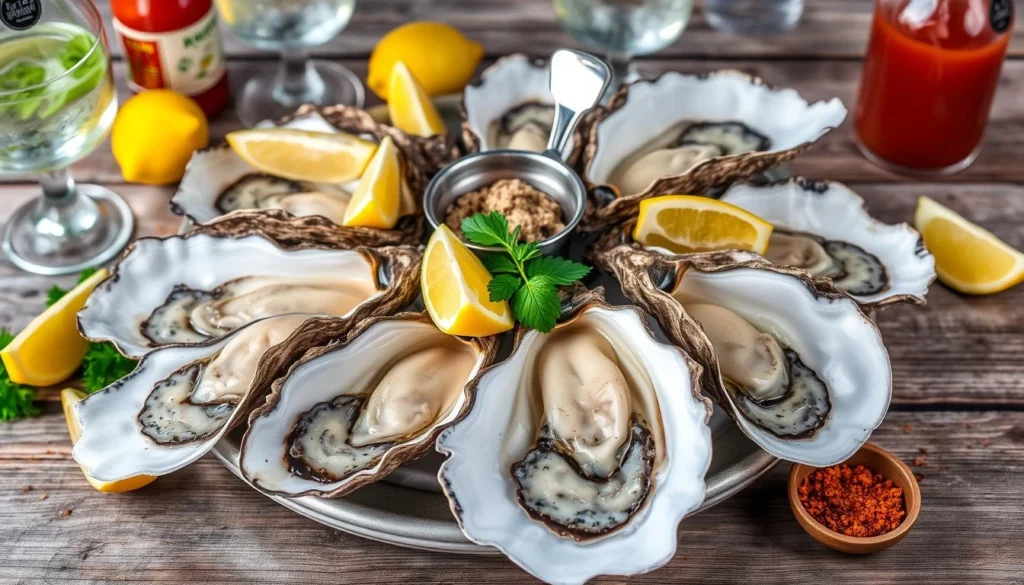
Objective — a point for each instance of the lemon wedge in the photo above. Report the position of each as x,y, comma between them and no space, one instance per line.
68,398
968,258
690,223
301,155
454,283
378,196
409,106
50,349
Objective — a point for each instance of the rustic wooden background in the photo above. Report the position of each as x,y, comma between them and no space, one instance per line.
958,366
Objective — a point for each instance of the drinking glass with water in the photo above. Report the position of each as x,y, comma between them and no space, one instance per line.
623,29
57,103
291,27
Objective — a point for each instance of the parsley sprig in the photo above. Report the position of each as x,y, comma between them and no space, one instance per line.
15,399
522,275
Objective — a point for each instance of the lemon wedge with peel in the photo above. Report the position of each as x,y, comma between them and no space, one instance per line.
968,258
68,398
50,348
409,106
302,155
690,223
378,196
454,283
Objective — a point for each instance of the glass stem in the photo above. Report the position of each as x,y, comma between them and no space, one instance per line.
298,81
63,212
622,71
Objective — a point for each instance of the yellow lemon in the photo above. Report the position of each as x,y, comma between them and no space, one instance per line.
155,134
409,105
441,58
690,223
68,398
302,155
454,283
50,349
378,195
968,258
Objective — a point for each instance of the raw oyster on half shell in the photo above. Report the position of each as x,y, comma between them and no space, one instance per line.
822,227
691,133
792,359
199,286
348,413
584,448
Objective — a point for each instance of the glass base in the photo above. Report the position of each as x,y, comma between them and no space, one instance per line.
264,98
917,173
39,244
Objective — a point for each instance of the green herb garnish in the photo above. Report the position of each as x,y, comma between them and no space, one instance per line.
103,364
522,275
15,399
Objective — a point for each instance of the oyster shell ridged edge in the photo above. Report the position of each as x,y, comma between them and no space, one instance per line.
715,172
320,336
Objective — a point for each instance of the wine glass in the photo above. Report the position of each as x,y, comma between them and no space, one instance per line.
57,102
291,27
623,29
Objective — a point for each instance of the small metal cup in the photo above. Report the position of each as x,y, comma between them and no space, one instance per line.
577,82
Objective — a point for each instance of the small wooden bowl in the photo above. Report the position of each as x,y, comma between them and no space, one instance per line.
884,463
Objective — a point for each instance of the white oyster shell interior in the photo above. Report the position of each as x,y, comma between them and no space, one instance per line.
511,81
833,211
149,272
113,447
832,337
214,169
484,445
342,371
724,96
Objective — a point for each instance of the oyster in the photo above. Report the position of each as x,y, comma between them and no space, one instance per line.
823,228
525,126
177,404
192,288
792,359
708,131
584,448
347,414
218,181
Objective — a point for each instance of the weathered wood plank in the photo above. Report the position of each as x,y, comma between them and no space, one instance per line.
204,525
829,29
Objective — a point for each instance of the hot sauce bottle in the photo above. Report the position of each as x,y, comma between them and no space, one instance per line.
174,44
930,74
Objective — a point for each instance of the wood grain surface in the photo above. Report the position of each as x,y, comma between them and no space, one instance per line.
958,369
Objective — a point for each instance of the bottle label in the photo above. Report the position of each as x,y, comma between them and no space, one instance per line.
188,60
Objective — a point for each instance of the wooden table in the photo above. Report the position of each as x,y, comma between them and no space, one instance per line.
958,367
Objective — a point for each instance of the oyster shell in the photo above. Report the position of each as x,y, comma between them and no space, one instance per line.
822,227
792,359
217,181
348,413
708,131
584,448
191,288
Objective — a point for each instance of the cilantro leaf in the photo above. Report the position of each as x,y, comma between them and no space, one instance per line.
561,271
102,366
15,399
500,264
486,230
525,251
536,304
503,286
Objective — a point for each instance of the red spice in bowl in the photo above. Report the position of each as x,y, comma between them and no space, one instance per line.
855,501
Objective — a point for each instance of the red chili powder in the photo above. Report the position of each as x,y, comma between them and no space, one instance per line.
855,501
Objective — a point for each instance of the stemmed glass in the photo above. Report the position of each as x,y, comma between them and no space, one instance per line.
623,29
57,102
291,27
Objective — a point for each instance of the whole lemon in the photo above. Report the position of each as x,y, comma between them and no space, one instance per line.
439,57
155,134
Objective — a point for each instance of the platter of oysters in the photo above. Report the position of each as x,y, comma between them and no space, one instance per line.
294,346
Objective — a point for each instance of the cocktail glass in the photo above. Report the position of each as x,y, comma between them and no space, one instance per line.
57,102
291,27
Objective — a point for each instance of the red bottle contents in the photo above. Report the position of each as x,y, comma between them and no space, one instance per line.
174,44
927,89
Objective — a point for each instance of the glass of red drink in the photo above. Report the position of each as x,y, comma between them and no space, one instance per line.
930,74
